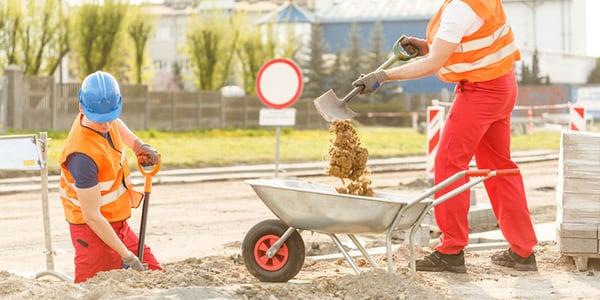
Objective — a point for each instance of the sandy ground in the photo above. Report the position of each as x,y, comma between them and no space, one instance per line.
209,220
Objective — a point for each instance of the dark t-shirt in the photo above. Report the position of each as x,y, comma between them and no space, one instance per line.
83,169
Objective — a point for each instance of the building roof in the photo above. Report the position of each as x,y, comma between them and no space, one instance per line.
233,5
371,10
289,13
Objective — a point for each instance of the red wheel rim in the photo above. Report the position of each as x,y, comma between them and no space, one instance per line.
260,253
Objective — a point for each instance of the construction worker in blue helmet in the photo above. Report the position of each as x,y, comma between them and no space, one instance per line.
95,187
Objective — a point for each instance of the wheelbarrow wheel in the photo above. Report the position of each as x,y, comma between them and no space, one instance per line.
285,264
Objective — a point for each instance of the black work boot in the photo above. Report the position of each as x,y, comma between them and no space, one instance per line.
508,258
439,262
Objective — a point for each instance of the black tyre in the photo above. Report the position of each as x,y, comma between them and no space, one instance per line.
285,264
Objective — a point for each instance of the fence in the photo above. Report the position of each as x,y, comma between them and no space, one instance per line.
38,103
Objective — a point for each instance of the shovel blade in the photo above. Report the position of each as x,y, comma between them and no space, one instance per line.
331,108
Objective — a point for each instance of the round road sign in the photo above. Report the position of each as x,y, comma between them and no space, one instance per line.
279,83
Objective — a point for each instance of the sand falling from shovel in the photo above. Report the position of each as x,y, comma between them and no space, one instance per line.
348,160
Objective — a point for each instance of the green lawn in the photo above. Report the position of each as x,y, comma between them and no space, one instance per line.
226,147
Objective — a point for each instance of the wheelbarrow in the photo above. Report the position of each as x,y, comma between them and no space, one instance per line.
273,250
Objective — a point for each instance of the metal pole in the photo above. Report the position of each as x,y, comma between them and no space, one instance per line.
277,136
43,143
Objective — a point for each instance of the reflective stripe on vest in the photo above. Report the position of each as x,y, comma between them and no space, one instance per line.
483,42
106,199
102,185
481,63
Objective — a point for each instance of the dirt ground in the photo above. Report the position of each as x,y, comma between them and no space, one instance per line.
196,230
226,277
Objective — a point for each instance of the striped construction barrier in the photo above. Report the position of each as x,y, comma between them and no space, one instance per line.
435,124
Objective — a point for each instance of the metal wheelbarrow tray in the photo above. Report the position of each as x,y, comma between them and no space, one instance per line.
273,250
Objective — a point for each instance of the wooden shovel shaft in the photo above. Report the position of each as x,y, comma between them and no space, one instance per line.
142,236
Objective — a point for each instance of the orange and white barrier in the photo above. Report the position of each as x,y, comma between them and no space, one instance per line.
435,124
577,118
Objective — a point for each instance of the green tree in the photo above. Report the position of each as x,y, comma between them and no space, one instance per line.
315,68
532,75
12,22
525,73
338,82
355,55
139,32
60,46
594,76
535,68
211,44
42,41
377,57
177,78
98,37
377,53
255,49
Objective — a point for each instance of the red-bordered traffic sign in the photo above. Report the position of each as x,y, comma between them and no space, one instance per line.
279,83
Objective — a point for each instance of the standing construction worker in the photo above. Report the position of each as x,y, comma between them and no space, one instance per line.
470,42
95,187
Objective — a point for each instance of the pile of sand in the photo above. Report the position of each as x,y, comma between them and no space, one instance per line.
212,271
376,284
348,160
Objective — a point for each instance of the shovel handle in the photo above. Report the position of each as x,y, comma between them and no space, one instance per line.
147,189
398,55
390,61
149,174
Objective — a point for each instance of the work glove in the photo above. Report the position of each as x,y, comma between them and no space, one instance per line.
133,262
146,155
370,82
414,46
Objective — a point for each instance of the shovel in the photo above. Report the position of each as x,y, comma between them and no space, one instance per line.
331,108
147,188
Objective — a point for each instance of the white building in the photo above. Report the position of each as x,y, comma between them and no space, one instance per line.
167,45
558,29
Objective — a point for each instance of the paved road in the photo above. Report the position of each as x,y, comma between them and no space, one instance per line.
187,220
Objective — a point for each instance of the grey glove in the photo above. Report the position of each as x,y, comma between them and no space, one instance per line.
133,262
370,82
146,155
414,46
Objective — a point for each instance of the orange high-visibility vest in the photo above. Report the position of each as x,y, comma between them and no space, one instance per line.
488,53
116,190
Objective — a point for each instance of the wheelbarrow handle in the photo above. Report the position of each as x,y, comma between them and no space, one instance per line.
508,172
477,173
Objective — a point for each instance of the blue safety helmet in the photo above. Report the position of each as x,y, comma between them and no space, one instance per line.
100,97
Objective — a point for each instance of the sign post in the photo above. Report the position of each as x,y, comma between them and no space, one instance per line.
278,85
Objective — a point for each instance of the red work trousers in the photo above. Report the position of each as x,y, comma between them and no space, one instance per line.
92,255
478,124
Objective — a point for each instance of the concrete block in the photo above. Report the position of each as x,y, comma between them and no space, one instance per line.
580,169
580,146
578,207
581,185
575,245
578,230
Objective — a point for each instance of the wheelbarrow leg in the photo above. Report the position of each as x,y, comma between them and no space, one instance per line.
364,252
346,255
275,247
411,249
